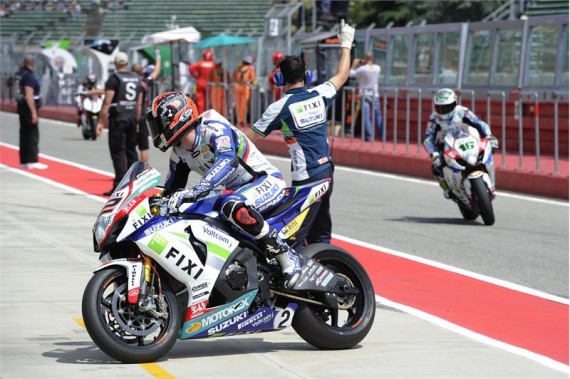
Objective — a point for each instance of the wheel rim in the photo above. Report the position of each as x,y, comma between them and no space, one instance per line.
352,309
122,320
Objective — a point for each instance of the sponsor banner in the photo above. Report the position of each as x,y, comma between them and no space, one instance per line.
216,319
294,225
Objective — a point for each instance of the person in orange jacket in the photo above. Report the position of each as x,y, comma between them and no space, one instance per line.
276,91
201,71
244,75
219,77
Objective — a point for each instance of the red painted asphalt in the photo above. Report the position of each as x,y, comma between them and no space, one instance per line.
519,319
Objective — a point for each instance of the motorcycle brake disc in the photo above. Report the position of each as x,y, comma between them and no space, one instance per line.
129,318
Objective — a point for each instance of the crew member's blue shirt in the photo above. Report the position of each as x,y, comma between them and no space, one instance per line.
29,79
301,116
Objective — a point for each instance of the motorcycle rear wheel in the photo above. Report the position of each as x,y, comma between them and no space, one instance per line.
483,198
147,339
334,329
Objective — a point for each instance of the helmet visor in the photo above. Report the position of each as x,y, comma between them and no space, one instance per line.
155,131
445,108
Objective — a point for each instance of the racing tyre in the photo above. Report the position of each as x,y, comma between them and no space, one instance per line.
85,132
467,214
329,328
483,199
119,328
93,128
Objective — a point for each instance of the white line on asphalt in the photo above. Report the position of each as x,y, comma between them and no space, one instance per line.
495,281
470,274
548,362
366,172
53,183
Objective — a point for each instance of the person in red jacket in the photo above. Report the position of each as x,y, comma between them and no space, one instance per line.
201,71
276,91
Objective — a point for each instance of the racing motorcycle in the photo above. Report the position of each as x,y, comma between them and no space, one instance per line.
191,274
470,172
91,105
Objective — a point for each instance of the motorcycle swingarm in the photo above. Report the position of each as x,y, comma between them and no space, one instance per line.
317,278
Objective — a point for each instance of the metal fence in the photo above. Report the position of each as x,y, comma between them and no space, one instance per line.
405,112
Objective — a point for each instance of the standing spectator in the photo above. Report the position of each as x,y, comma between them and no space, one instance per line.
147,78
276,91
219,77
244,75
123,106
201,71
305,131
368,74
29,102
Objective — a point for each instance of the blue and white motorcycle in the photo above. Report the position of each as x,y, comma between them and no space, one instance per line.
194,275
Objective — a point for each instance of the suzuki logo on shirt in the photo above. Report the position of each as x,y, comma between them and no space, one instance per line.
308,113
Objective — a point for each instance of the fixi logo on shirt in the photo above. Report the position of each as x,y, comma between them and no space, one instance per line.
308,113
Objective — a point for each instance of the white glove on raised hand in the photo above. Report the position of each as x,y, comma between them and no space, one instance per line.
346,35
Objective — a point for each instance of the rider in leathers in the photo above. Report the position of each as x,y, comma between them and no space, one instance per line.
225,157
446,114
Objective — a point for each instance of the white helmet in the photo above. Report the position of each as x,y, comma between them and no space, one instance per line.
444,103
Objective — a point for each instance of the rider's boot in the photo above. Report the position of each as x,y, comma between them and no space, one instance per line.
290,262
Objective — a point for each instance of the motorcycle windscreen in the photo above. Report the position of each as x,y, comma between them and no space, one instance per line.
136,169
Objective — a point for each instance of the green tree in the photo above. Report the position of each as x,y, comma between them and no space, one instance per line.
400,12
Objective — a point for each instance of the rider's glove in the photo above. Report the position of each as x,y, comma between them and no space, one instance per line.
177,198
493,141
436,163
187,195
346,35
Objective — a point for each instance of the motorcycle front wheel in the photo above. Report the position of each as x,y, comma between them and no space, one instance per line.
483,199
85,131
93,127
333,329
119,328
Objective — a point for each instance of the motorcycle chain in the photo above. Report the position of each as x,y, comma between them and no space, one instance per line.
299,298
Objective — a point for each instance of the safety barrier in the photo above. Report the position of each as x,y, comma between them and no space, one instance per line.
503,98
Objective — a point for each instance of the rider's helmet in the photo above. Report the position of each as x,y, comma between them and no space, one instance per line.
277,56
444,103
207,55
91,79
171,116
148,70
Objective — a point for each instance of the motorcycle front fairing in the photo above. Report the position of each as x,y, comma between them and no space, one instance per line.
131,194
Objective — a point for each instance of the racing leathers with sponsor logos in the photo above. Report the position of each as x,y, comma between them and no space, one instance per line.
437,129
225,157
301,116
